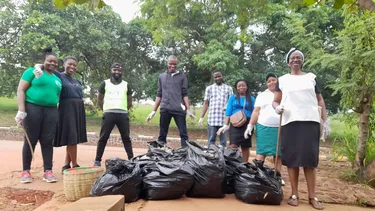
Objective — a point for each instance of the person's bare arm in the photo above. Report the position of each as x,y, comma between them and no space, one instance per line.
186,103
226,120
204,108
254,116
21,96
100,100
157,103
277,99
130,102
322,104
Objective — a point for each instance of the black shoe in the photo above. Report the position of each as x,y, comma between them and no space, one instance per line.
76,166
65,168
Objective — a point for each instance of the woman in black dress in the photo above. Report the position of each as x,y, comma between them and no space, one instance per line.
71,128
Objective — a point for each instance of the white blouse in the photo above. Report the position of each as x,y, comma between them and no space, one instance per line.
267,115
299,98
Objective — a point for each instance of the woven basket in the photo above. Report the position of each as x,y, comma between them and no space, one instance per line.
79,181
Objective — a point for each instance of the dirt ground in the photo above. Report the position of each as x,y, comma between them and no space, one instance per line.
43,196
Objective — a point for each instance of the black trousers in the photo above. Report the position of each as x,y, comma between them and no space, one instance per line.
109,120
40,124
165,120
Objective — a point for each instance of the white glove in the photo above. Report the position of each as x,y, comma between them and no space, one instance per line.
200,122
88,102
191,115
222,129
248,131
38,72
279,109
326,128
182,106
20,117
150,116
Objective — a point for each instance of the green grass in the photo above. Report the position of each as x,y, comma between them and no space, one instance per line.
8,110
339,129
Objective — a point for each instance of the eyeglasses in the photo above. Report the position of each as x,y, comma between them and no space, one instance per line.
295,58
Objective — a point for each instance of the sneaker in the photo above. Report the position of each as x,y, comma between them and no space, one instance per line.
26,177
97,163
49,177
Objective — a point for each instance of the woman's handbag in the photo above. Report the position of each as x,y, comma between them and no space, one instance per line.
239,118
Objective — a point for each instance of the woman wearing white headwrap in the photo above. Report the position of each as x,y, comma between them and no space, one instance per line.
297,99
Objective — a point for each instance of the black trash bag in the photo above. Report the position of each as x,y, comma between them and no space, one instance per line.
232,159
143,160
209,171
152,156
253,185
270,171
122,177
159,149
166,180
179,154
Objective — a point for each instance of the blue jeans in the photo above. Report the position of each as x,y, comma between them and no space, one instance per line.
212,135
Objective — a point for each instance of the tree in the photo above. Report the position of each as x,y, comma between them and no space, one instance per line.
354,60
188,28
313,31
97,38
11,19
365,4
337,4
61,4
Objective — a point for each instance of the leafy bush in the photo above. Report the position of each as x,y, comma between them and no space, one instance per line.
347,147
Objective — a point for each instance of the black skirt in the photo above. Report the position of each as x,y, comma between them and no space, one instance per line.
71,127
300,144
236,135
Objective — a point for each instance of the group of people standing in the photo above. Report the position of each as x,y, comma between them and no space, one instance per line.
291,110
52,111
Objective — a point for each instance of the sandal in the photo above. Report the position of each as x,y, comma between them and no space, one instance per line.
65,168
293,200
315,203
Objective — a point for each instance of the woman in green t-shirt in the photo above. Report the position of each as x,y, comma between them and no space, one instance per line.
37,113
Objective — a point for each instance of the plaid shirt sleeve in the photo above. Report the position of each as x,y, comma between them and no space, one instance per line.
207,94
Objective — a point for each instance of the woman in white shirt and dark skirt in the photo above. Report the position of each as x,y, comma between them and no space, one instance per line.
297,99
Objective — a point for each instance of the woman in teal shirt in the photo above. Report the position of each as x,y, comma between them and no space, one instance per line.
236,103
37,112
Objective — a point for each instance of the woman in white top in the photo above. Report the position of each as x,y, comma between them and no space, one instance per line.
297,98
267,124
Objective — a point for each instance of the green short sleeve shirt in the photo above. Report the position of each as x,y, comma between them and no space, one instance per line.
43,91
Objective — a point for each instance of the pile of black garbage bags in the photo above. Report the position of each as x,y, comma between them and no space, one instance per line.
199,172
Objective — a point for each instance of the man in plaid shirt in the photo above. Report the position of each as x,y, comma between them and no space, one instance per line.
216,97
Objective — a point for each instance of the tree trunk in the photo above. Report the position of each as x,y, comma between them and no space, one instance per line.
359,165
367,4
